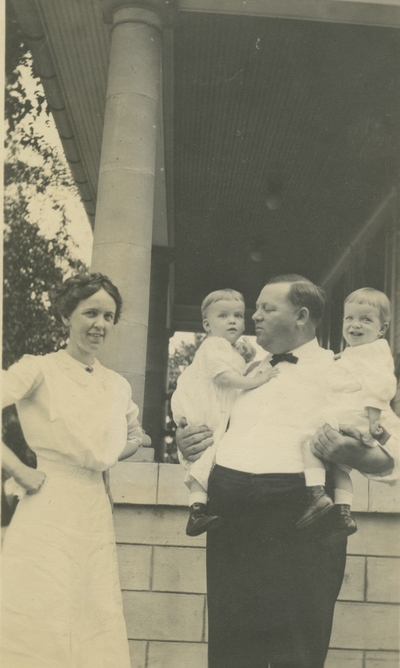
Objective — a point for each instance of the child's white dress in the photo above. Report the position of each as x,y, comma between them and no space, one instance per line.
201,401
363,376
61,598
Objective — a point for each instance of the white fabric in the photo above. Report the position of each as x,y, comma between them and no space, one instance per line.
61,598
201,401
264,434
362,377
269,424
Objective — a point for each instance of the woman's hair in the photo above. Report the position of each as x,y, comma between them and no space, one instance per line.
217,296
373,298
303,293
82,286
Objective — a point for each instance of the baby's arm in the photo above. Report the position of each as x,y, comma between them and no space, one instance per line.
374,416
234,380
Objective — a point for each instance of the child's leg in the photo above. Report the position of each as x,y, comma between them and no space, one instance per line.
343,486
314,468
197,493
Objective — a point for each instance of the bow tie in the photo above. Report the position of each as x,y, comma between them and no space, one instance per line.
283,357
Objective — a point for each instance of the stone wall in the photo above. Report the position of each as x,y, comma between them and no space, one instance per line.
163,574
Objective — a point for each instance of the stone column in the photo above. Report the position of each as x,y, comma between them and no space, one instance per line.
124,217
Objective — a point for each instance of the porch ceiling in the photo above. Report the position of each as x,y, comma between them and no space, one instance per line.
285,135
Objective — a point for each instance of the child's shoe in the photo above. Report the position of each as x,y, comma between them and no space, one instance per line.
341,524
319,503
199,521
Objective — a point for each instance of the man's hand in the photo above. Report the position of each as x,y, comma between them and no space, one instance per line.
192,441
346,447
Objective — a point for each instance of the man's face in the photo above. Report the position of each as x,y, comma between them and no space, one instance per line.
276,319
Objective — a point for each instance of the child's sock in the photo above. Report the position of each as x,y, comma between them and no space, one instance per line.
342,496
314,477
197,497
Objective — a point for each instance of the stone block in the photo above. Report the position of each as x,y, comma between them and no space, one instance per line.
382,660
134,566
342,658
177,655
159,616
383,580
137,653
142,455
171,488
377,535
154,525
360,490
353,587
370,626
134,482
179,569
384,498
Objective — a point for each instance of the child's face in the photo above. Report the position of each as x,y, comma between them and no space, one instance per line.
362,324
225,318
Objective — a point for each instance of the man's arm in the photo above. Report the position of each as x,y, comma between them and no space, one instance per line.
192,441
346,447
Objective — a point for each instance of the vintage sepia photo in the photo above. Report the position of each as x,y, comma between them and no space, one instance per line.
201,334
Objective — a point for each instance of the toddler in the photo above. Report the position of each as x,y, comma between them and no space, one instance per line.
363,383
207,389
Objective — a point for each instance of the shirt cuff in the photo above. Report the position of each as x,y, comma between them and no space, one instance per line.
391,475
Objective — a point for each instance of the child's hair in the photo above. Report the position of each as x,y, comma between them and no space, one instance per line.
217,296
373,298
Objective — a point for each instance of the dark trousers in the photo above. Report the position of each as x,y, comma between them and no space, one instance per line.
271,588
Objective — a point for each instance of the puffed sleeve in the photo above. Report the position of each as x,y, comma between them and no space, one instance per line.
135,432
217,356
21,380
379,381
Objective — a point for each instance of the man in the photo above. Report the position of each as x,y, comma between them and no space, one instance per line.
272,588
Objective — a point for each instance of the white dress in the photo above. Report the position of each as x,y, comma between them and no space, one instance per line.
61,598
363,376
201,401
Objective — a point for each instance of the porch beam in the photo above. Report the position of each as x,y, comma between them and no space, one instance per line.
384,13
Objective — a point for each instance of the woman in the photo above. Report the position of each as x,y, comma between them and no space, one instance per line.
62,605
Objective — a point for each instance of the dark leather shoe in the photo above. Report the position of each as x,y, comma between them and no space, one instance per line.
319,503
199,521
340,525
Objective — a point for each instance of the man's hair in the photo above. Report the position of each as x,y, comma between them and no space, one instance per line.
217,296
303,293
373,298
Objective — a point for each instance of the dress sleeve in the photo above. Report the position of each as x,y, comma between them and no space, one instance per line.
21,380
217,353
135,432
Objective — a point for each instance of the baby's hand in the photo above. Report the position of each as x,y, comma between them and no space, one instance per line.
375,428
29,479
266,375
246,349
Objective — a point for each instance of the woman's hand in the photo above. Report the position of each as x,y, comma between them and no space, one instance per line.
29,479
193,441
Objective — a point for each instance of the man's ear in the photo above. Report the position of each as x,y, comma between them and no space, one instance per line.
206,326
384,328
303,316
65,321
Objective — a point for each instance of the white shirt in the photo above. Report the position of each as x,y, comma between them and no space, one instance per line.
268,423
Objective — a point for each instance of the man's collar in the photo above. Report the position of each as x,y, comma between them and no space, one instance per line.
306,349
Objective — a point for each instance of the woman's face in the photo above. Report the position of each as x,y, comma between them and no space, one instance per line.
89,325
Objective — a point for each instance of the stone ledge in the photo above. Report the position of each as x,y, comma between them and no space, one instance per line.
144,483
